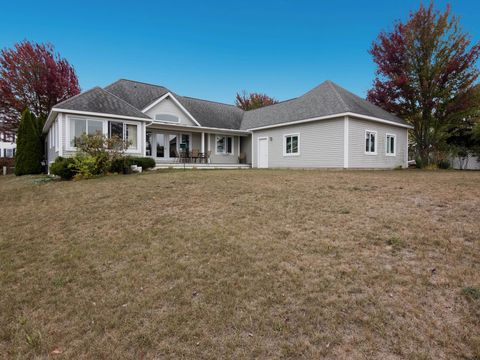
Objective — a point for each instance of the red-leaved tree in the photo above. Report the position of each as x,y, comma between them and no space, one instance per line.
34,77
253,100
426,73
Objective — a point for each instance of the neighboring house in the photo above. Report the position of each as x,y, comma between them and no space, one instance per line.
8,145
326,127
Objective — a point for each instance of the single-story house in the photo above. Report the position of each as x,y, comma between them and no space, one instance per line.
328,127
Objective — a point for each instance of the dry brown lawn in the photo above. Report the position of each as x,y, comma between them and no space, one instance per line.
242,264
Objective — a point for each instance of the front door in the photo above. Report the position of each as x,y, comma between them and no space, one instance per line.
262,152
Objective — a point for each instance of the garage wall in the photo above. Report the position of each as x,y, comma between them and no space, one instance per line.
321,145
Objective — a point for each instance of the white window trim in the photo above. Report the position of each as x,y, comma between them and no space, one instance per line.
394,144
105,131
285,145
376,142
225,153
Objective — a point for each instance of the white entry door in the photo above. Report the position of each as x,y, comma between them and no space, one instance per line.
262,152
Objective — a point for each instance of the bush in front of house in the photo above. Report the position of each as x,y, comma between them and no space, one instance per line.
98,155
85,166
100,150
145,162
123,165
62,167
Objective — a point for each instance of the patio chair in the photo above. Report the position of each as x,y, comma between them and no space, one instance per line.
195,155
206,157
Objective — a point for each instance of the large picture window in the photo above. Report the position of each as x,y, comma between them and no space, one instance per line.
224,144
390,143
291,144
78,127
370,142
125,132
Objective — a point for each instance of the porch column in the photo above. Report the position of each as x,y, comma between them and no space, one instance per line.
203,143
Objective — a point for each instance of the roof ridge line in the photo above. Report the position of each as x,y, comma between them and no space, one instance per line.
140,82
212,101
338,95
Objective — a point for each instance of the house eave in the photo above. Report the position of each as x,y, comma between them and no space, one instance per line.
165,125
56,111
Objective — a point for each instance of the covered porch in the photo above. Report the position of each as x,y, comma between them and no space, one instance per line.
193,147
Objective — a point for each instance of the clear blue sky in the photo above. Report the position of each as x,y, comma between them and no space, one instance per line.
212,49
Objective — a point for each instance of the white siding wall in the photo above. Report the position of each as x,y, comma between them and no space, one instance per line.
54,132
321,145
168,106
246,147
356,145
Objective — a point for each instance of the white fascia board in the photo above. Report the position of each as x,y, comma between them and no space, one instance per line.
89,113
169,94
350,114
346,135
50,118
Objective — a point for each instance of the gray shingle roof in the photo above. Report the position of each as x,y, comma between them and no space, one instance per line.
100,101
136,93
128,98
212,114
326,99
207,113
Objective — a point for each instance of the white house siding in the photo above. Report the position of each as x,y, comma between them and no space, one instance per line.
168,106
357,157
222,158
196,141
321,145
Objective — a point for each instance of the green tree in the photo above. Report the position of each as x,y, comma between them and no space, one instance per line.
29,145
426,73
